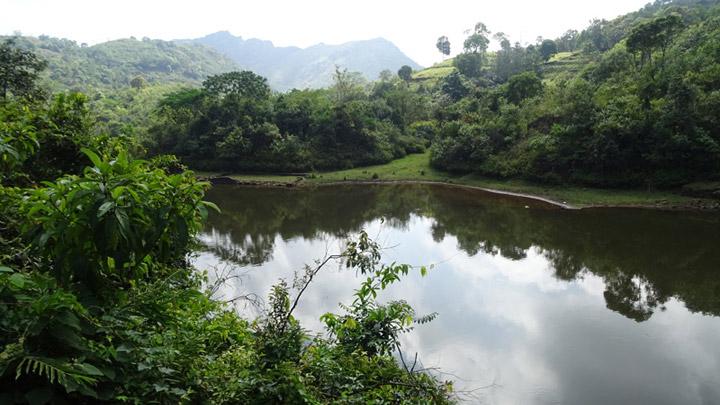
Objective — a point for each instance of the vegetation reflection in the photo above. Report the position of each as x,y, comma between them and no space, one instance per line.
644,257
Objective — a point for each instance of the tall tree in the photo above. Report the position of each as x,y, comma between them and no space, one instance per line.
347,86
443,45
654,35
568,41
477,41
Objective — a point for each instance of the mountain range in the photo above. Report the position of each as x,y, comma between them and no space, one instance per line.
113,64
312,67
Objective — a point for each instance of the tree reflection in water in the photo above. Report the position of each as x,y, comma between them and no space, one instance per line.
644,257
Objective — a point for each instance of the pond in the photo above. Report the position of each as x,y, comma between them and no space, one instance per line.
536,305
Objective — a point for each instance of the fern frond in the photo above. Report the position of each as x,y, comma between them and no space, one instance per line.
53,370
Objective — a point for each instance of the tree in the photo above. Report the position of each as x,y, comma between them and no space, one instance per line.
405,73
523,86
138,82
454,87
478,40
503,40
347,86
654,35
568,41
595,37
19,70
548,48
469,64
443,45
244,84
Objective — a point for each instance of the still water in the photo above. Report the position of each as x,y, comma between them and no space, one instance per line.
537,305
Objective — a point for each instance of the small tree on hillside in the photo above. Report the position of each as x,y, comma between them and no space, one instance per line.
443,45
548,48
138,82
405,73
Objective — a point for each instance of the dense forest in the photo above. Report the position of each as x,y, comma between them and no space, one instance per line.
122,63
234,123
641,111
100,304
628,102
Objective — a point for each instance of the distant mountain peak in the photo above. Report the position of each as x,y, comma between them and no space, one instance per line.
223,34
293,67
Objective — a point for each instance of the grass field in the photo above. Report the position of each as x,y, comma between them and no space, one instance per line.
435,73
417,168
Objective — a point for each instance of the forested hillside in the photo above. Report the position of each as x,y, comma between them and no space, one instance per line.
631,102
123,63
313,67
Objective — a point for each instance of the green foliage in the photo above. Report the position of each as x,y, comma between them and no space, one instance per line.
19,69
124,206
443,45
99,304
637,114
113,65
523,86
548,48
367,326
41,140
405,73
469,64
235,124
238,84
477,41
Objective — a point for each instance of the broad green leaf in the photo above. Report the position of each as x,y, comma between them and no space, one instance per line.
94,158
104,208
211,205
89,369
17,280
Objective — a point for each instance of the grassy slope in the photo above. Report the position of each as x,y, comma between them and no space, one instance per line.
435,73
563,66
417,168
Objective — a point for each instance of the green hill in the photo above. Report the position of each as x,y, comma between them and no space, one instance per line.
113,64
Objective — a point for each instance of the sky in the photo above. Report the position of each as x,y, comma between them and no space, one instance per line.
413,26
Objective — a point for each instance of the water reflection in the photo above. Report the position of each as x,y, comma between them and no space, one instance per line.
643,257
523,293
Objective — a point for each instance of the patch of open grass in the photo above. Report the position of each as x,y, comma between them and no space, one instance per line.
434,73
